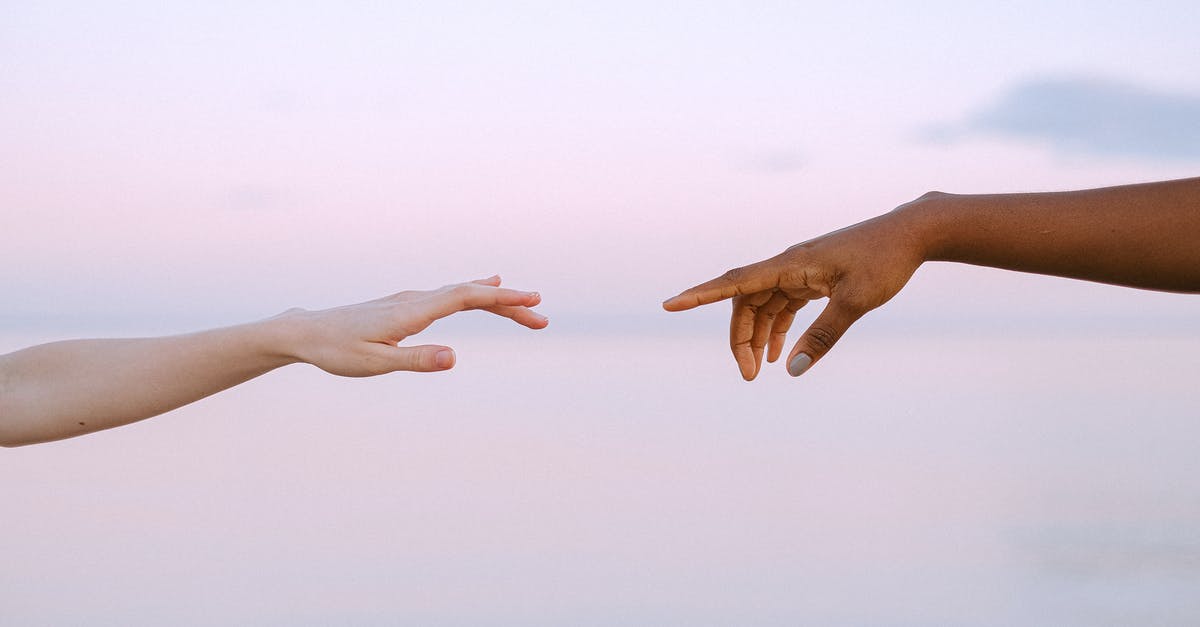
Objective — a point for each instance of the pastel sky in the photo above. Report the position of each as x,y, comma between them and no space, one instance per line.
988,449
213,161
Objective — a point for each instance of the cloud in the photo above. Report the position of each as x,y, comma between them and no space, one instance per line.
1093,116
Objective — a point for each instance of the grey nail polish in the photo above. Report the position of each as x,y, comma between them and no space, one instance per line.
799,364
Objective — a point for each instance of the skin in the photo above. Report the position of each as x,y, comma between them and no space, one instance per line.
65,389
1145,236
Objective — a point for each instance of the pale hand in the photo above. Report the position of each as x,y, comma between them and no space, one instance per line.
361,340
64,389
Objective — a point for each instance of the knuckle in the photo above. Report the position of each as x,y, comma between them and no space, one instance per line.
461,293
795,255
821,337
412,360
734,275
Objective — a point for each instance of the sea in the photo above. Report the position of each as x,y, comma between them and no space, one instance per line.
624,474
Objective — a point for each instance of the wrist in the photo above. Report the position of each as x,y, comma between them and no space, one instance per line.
281,337
925,222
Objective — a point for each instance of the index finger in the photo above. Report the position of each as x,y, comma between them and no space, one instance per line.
475,296
749,279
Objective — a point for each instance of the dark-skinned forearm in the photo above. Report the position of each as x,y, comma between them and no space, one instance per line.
1145,236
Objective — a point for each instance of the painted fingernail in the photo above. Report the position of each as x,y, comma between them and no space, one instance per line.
799,364
444,359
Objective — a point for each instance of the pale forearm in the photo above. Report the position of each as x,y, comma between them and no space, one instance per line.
64,389
69,388
1144,236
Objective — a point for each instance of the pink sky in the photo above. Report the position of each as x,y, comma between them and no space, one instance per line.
168,159
987,446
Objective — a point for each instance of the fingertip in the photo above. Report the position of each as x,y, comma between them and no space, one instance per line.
799,364
504,297
537,322
444,359
746,369
520,299
676,303
774,350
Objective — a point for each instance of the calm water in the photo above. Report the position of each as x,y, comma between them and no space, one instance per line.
558,479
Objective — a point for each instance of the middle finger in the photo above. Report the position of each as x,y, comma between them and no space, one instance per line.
521,315
764,318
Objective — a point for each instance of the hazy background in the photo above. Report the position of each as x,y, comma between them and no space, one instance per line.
988,449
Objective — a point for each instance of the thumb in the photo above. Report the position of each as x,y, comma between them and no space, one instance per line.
821,335
430,358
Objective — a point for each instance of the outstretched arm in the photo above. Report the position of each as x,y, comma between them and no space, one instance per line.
1145,236
64,389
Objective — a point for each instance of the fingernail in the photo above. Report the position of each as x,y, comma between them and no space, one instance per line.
444,359
799,364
